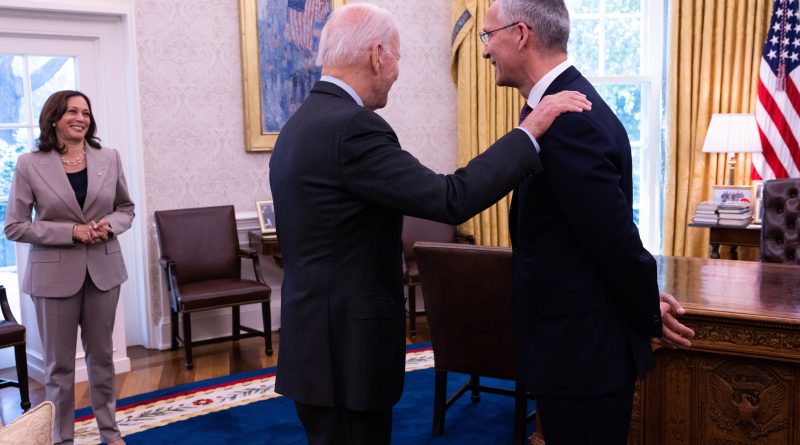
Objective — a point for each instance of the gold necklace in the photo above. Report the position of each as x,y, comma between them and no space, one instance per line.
76,161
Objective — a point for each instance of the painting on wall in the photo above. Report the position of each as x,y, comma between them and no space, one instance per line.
280,39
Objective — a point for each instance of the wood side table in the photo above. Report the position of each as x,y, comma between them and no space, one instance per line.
266,244
731,236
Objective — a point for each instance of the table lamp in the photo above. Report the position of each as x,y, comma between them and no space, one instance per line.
731,134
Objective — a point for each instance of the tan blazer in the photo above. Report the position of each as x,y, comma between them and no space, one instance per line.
56,265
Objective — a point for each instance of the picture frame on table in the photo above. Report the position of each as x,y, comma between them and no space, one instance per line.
279,42
726,193
758,209
266,217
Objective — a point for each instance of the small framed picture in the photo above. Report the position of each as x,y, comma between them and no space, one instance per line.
758,189
758,208
266,216
725,193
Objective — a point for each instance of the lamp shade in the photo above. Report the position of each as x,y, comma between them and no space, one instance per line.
732,133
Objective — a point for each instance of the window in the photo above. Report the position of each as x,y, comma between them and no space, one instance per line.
26,81
619,46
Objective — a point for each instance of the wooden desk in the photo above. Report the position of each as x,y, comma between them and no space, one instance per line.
740,383
266,245
732,237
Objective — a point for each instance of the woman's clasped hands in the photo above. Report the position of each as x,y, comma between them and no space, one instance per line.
93,232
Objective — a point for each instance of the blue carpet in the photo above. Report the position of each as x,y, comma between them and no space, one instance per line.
274,421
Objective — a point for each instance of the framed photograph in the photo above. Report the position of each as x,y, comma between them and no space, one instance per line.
758,189
758,208
725,193
266,216
279,62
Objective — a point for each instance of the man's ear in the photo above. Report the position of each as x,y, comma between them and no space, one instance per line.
375,56
526,37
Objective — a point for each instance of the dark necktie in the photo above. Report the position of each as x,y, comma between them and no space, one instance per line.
526,110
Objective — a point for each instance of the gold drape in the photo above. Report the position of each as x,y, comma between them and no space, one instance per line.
715,52
485,112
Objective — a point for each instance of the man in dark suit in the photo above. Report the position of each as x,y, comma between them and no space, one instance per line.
586,299
341,184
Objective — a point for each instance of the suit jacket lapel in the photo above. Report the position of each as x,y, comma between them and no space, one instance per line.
52,173
97,171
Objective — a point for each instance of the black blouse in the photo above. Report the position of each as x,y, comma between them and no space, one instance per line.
79,182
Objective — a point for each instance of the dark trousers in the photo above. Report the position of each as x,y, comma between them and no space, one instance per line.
600,420
341,426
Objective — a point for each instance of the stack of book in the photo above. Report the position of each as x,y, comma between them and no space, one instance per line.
734,213
706,213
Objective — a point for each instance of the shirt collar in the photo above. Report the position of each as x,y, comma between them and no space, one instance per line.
341,84
541,86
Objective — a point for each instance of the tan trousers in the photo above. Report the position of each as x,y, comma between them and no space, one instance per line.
58,319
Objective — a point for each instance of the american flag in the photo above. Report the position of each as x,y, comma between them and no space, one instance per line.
778,106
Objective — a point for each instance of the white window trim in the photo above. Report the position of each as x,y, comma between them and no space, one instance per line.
652,66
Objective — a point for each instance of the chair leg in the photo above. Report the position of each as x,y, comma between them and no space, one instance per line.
187,339
520,414
173,315
439,402
412,310
266,316
237,323
474,382
22,376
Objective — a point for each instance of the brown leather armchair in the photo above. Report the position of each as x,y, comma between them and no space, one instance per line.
780,224
13,334
467,294
201,258
418,229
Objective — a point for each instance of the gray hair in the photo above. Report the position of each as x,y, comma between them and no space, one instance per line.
548,18
353,28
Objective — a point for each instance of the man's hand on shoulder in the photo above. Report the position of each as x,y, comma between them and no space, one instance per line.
541,118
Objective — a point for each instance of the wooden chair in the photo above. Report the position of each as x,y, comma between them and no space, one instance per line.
780,224
201,258
13,334
467,294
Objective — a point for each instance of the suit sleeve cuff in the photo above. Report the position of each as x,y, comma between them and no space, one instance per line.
533,139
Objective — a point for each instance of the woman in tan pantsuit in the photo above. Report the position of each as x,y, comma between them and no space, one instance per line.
75,266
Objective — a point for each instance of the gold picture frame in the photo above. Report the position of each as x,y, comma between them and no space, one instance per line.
266,216
255,138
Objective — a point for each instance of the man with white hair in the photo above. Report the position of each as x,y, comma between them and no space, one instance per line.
585,293
341,184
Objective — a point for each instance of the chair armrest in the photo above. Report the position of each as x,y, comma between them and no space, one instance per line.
465,239
256,258
166,262
245,252
6,309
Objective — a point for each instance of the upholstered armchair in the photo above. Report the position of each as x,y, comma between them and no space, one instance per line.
418,229
467,294
201,258
780,226
12,334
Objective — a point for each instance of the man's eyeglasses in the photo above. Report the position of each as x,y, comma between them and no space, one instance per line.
484,36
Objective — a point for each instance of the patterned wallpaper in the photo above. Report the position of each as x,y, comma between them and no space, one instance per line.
189,62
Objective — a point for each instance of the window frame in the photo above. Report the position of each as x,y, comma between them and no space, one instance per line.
651,77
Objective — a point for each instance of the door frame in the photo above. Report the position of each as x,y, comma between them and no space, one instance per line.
111,24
